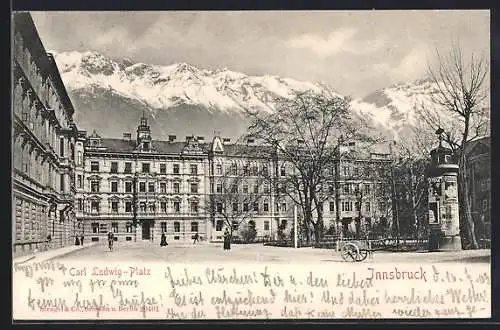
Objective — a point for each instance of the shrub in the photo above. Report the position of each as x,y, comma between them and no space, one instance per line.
249,233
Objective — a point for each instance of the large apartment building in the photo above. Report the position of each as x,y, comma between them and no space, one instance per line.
159,184
43,144
179,188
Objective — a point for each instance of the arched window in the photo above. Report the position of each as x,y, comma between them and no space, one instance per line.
79,158
218,169
283,170
234,168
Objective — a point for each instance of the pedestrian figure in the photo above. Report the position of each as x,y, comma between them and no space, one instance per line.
196,238
49,239
163,241
227,240
111,238
81,240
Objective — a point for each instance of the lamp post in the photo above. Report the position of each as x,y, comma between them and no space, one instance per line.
295,225
359,200
337,191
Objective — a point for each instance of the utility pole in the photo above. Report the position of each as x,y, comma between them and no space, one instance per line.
337,193
295,225
134,206
395,216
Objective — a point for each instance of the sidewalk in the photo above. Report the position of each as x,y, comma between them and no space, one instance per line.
170,243
51,254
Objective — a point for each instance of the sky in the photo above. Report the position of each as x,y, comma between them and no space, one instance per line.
354,52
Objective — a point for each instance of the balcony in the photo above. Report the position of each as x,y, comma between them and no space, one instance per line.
67,197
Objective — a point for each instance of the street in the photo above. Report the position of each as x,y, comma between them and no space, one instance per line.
255,253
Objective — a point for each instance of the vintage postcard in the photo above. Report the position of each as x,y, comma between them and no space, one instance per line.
223,165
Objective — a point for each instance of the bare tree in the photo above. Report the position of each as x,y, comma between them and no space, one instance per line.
358,180
306,131
236,194
461,110
411,166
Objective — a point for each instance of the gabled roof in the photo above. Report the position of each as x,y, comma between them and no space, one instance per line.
475,144
129,146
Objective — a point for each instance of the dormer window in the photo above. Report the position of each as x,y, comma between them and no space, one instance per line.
146,146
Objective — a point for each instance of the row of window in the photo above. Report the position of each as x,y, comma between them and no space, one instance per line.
217,188
46,173
366,170
142,186
98,228
95,206
30,87
194,226
145,168
350,188
246,170
219,225
347,206
233,169
234,189
247,207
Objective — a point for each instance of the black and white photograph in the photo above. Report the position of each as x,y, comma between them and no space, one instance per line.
284,138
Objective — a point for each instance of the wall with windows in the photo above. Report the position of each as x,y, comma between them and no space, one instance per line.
478,167
43,146
167,192
243,190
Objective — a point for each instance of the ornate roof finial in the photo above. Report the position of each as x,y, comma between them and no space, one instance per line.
439,133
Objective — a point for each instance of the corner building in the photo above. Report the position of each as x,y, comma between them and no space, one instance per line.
43,146
160,184
175,187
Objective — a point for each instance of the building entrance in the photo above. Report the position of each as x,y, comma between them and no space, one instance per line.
146,229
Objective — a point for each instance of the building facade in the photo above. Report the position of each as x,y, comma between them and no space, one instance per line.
68,184
243,189
140,188
158,185
478,167
43,145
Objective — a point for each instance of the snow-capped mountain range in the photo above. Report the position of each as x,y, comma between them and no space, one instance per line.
184,99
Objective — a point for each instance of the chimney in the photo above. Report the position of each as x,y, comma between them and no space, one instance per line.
201,139
171,138
226,140
127,136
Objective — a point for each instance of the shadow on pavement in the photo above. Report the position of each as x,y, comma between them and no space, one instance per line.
475,259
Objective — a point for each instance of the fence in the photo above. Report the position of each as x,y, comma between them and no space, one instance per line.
330,242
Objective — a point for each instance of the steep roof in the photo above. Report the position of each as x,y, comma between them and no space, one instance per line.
161,147
471,145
